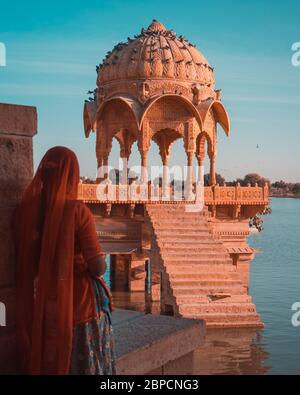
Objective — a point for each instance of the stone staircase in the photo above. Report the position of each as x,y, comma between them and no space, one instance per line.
202,279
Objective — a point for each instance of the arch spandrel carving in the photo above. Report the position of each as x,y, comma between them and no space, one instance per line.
171,108
168,109
165,138
126,140
189,137
144,137
210,128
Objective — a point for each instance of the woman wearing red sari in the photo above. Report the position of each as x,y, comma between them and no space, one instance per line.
63,304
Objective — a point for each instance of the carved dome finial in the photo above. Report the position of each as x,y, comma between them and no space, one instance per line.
156,26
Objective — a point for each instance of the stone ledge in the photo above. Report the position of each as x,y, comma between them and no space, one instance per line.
146,342
17,119
16,167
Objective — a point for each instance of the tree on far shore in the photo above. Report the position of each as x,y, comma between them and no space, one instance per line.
219,179
296,188
254,178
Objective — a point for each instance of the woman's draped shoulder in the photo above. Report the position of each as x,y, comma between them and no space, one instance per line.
86,233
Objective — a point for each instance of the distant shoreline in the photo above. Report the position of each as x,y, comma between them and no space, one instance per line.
285,196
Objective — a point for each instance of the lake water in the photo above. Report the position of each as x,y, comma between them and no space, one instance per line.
275,286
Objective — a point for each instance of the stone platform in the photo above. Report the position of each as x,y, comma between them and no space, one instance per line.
155,344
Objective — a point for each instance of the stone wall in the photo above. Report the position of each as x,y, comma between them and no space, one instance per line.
18,124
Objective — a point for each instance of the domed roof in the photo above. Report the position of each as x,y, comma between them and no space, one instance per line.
156,53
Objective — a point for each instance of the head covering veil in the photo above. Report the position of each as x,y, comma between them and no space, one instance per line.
44,231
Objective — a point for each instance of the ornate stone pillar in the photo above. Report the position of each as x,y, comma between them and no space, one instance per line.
124,178
166,178
212,174
103,148
126,142
105,167
144,172
137,277
190,147
190,176
200,180
144,145
99,168
120,272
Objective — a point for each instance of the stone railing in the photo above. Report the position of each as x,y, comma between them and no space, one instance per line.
134,193
223,195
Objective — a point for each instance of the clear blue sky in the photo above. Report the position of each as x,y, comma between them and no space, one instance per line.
53,47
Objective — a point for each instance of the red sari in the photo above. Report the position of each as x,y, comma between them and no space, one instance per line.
55,236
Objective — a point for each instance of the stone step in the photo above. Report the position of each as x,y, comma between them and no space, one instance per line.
169,241
201,268
201,217
171,212
195,299
182,275
195,261
160,225
213,283
187,239
201,249
212,308
208,290
194,254
176,218
256,323
224,318
183,238
171,208
179,248
185,226
185,230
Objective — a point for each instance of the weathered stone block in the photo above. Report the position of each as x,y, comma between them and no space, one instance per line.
17,119
16,168
145,343
17,126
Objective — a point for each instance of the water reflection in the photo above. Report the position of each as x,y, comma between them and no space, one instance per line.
231,351
138,301
227,351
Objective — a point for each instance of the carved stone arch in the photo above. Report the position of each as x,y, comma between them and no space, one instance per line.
219,112
89,111
115,114
200,146
126,139
170,108
125,106
165,138
209,127
103,141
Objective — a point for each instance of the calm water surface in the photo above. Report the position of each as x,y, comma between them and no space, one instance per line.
275,286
